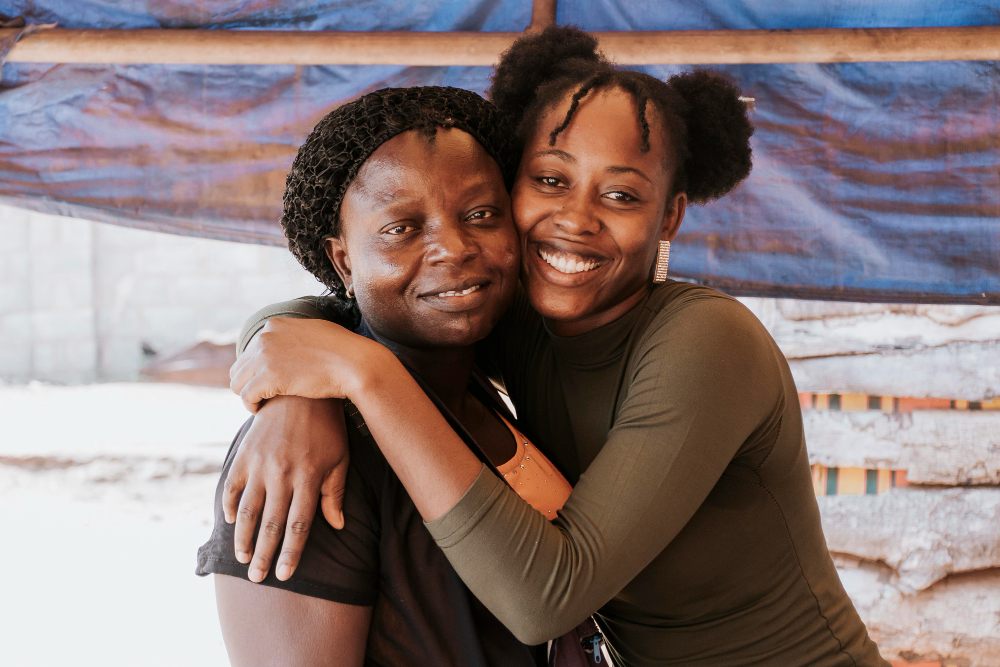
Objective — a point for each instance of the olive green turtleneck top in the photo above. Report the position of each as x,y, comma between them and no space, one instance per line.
692,532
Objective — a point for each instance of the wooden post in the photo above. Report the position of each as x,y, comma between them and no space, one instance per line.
679,47
543,14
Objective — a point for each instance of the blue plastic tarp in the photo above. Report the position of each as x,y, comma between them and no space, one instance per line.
874,181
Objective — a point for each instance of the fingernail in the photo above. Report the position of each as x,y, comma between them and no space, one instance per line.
256,574
243,556
284,571
229,518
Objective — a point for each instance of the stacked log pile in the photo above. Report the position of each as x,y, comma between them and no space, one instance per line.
907,393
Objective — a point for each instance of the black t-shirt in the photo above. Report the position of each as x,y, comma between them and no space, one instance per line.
384,557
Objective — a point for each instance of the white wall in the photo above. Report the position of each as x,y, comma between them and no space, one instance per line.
78,298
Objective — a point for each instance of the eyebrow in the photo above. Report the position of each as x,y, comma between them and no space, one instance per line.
629,170
563,155
388,199
555,152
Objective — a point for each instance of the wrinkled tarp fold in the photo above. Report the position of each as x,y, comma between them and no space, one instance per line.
872,181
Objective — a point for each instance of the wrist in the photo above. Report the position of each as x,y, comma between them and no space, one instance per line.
373,366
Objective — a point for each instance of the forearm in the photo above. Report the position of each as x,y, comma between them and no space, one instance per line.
542,578
435,466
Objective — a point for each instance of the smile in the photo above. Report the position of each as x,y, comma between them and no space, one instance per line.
567,262
464,292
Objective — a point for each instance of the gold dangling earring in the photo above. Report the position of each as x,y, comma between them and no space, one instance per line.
349,292
662,259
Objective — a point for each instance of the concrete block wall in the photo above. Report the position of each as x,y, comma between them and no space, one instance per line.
46,302
78,299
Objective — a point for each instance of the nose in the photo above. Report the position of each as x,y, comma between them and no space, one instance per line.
450,244
576,216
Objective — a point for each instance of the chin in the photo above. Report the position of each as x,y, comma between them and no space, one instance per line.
462,332
554,306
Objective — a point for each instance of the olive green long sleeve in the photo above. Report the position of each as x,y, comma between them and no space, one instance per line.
305,307
694,532
667,450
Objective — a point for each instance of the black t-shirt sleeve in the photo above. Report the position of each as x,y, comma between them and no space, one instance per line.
337,565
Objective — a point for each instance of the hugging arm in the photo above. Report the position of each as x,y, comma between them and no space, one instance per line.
294,456
665,453
667,450
296,452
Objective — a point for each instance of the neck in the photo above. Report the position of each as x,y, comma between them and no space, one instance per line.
446,370
593,321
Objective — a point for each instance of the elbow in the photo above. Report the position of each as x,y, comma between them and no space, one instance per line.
541,625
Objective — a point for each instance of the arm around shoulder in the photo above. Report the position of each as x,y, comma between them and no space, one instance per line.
304,307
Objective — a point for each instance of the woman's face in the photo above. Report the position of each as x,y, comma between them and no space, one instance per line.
427,241
591,210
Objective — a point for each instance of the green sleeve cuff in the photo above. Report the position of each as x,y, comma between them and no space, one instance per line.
303,308
452,526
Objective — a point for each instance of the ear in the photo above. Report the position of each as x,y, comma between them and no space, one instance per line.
336,251
674,216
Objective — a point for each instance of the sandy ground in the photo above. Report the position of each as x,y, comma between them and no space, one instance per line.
105,495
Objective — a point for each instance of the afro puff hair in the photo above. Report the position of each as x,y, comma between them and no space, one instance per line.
701,111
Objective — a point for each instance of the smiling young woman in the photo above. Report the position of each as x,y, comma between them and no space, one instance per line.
590,213
692,533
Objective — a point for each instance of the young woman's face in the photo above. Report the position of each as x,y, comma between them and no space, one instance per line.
591,210
427,241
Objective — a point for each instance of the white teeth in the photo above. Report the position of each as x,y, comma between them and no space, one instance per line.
467,290
567,263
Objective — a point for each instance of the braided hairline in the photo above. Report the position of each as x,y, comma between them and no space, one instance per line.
594,82
636,89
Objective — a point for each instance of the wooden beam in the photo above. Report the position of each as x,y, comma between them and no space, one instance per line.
923,534
260,47
807,329
920,351
954,621
832,45
958,370
953,447
677,47
543,14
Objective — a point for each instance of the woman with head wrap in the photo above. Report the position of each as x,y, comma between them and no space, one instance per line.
398,203
692,533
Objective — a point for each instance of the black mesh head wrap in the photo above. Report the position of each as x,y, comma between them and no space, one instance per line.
337,147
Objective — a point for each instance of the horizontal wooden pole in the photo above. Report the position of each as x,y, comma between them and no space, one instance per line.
833,45
684,47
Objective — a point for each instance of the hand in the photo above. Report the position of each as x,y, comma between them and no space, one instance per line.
294,455
300,357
